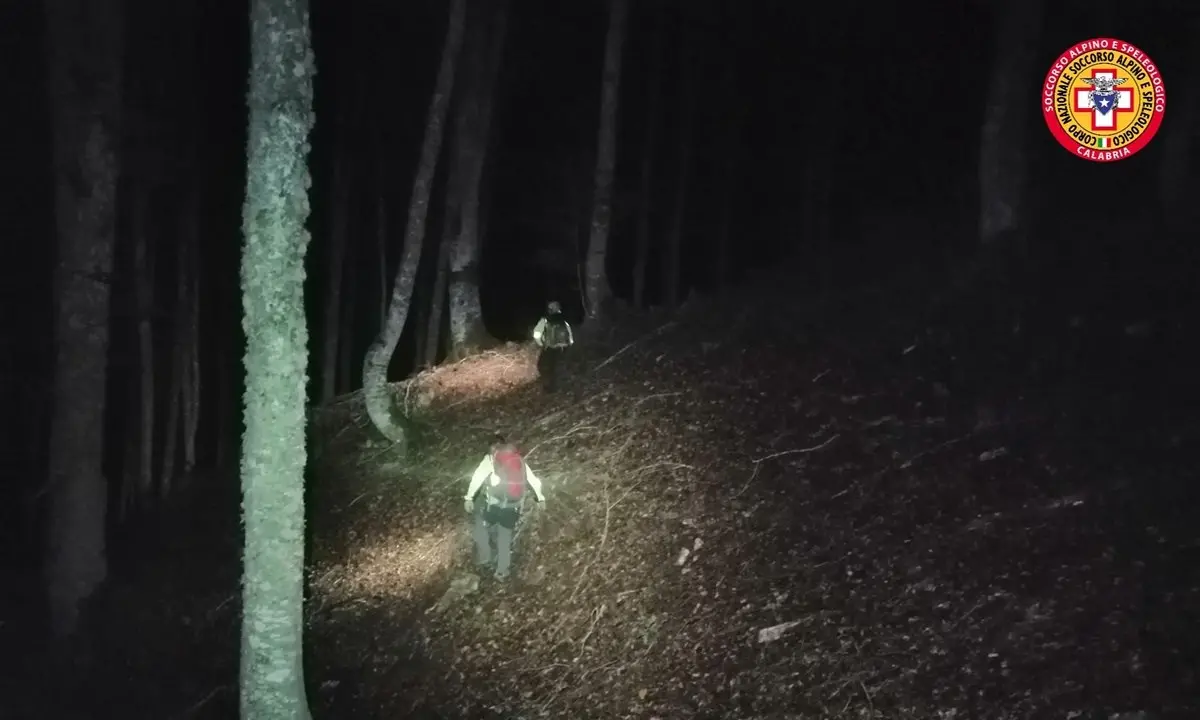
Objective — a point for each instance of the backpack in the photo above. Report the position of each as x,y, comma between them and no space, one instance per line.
509,467
556,334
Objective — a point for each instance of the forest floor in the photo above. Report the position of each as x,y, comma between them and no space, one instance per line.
761,509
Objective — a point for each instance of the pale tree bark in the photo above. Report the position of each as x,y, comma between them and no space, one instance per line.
276,360
143,270
338,222
641,260
1002,147
459,254
84,42
376,393
598,289
673,253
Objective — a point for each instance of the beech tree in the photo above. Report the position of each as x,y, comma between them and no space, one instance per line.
597,288
376,395
458,256
84,41
276,361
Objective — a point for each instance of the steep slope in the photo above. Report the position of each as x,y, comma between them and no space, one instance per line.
754,511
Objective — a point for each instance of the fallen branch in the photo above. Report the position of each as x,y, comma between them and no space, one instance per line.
600,550
647,336
800,451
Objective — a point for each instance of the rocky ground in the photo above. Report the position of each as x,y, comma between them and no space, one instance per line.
758,508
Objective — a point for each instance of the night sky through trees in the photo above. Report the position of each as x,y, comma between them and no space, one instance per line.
834,158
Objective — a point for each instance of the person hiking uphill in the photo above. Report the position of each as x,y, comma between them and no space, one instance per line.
503,477
553,335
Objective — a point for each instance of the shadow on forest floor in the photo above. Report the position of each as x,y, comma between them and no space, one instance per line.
758,510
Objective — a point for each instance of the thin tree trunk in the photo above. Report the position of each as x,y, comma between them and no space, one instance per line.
641,262
179,364
192,377
171,430
598,289
466,313
273,452
376,393
1002,156
437,303
84,57
337,257
673,260
144,291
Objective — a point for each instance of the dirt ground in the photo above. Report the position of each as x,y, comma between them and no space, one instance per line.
761,508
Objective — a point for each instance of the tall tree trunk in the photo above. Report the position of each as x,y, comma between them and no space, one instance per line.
273,450
473,131
1002,147
598,289
673,258
337,256
179,362
143,271
376,393
84,56
192,377
641,261
170,447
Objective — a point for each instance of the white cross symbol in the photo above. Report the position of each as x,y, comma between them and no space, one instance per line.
1108,120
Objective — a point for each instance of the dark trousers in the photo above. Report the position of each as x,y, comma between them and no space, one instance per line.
491,521
549,366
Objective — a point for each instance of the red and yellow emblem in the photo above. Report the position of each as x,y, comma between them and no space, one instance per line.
1103,99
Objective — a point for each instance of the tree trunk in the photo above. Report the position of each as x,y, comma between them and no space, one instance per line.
192,377
598,289
273,451
437,301
170,448
1002,148
673,260
143,271
473,131
376,393
641,262
179,363
83,46
337,256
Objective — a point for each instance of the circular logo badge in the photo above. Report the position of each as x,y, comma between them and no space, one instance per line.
1103,99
